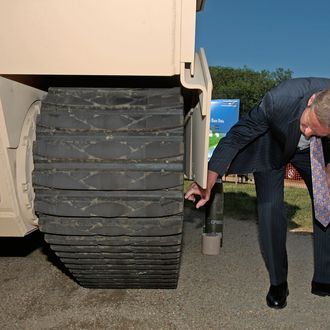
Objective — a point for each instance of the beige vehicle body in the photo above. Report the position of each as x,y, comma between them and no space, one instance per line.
89,38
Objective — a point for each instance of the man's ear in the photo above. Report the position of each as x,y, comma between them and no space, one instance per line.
311,100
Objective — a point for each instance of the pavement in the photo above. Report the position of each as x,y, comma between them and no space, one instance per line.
214,292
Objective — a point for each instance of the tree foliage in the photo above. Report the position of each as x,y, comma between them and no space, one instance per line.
245,84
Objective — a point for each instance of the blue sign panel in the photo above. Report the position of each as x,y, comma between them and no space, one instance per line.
224,114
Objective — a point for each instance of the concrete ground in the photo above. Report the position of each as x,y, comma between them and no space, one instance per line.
219,292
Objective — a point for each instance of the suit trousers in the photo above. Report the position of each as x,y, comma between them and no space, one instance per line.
272,221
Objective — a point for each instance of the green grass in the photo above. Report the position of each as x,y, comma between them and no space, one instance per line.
214,139
240,202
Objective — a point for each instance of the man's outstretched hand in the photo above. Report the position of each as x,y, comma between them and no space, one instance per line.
196,190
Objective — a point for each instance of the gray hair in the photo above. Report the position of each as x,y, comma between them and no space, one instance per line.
321,107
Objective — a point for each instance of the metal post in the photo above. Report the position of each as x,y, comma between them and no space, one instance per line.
213,227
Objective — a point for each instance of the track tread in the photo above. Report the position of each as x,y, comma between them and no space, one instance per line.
108,183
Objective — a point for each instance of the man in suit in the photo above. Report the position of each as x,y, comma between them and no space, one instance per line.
277,131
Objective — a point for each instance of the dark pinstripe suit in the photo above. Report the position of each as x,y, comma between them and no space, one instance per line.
263,142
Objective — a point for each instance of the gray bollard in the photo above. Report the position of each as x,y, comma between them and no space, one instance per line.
212,236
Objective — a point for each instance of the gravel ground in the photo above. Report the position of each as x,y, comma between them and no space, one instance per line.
214,292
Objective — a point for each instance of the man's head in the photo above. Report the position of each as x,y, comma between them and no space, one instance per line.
315,119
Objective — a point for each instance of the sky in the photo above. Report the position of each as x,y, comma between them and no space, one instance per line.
267,34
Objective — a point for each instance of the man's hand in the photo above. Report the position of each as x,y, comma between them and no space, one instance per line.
194,190
205,194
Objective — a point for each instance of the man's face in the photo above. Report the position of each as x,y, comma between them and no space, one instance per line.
310,125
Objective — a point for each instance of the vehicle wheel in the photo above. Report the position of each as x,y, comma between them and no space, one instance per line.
108,181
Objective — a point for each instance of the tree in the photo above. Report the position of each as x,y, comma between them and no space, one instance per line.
245,84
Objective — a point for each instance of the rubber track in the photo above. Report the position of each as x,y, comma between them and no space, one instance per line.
108,180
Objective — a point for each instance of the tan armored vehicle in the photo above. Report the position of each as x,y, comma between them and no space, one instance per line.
96,101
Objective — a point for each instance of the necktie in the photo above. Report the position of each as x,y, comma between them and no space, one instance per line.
321,192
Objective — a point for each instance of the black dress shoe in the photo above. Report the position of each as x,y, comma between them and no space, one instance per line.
276,297
320,289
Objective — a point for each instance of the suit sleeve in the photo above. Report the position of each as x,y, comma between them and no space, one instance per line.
247,129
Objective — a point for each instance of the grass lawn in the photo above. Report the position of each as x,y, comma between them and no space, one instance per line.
240,203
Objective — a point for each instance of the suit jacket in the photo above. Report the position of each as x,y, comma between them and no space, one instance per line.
267,137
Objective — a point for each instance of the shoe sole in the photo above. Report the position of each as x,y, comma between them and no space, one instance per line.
320,293
277,307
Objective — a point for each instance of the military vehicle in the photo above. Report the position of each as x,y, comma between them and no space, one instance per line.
104,106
